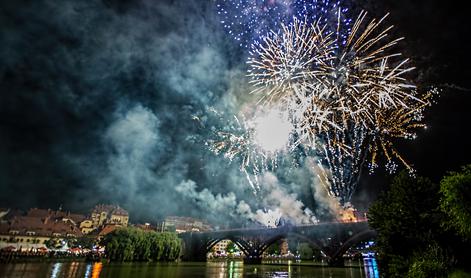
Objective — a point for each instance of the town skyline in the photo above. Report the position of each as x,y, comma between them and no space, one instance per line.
36,227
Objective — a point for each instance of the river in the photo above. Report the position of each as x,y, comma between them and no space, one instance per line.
230,269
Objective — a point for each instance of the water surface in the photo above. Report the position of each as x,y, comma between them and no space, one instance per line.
231,269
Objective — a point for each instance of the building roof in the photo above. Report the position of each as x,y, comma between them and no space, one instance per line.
12,213
40,226
119,211
108,229
43,213
111,209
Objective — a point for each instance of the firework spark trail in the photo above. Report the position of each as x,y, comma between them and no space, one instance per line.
365,76
283,67
237,144
402,122
352,97
344,154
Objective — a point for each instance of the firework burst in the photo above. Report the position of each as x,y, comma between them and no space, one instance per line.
353,98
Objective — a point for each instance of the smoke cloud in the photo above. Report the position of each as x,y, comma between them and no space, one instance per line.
109,101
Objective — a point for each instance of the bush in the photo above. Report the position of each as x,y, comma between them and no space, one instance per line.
429,264
455,201
460,274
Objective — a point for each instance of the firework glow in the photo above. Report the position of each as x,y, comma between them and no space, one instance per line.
272,131
254,143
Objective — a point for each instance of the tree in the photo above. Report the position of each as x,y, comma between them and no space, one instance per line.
274,248
431,263
231,247
82,242
305,251
407,220
455,201
132,244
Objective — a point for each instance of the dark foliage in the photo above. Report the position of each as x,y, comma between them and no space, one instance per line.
132,244
422,226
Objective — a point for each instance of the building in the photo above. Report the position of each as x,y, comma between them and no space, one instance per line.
181,224
225,248
75,218
146,227
32,231
221,247
109,214
284,248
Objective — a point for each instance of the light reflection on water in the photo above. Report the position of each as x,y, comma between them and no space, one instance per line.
230,269
88,270
371,268
55,270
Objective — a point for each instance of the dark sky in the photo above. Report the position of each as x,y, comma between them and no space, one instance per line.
97,101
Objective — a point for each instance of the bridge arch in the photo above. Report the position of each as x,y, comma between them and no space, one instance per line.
352,241
270,241
243,245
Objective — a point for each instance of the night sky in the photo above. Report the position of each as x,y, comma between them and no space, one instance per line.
98,101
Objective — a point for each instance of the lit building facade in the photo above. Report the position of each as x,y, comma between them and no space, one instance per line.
32,230
181,224
109,214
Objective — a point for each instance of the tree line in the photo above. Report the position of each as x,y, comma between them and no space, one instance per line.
133,244
424,228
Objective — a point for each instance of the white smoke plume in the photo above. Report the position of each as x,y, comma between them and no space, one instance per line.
279,199
319,184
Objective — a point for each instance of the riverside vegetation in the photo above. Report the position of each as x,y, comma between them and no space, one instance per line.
424,228
132,244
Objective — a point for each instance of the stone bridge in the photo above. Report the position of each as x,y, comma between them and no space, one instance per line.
333,239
